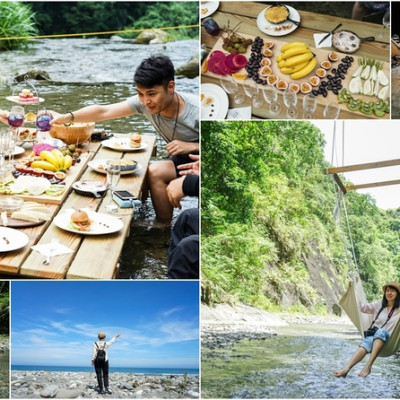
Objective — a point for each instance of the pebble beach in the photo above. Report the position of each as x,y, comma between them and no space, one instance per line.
78,385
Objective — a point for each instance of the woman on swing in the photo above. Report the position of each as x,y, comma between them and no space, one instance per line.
386,313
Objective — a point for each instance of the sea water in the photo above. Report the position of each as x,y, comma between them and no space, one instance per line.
136,371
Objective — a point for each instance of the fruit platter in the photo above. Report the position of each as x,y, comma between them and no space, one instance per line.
358,84
45,174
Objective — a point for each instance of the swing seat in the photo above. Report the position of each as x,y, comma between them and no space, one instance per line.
350,304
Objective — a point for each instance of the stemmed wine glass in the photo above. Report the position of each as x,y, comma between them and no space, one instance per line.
290,100
16,116
10,149
271,97
332,110
230,86
43,119
4,145
385,23
113,177
309,105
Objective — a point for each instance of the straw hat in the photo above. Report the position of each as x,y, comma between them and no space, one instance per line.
102,335
393,284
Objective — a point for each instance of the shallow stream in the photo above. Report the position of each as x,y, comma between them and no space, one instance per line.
88,71
296,363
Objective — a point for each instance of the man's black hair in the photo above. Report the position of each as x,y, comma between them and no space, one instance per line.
396,300
155,70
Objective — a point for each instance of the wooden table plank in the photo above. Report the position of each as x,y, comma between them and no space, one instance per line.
93,257
236,12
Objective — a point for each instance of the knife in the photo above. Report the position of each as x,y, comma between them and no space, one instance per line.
328,34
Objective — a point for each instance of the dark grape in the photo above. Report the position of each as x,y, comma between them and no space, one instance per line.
211,27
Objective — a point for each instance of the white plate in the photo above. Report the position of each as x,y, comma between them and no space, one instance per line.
15,99
276,29
18,150
208,7
121,144
102,224
11,239
95,164
218,107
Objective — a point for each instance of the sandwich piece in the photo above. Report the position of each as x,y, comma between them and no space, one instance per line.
135,140
80,221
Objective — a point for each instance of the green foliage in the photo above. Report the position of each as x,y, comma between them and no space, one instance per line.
4,307
16,19
170,14
267,204
105,16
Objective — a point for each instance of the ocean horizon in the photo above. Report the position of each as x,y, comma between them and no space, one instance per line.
131,370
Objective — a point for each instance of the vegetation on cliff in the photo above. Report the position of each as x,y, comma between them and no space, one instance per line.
267,205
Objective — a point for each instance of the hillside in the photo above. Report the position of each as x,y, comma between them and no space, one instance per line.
269,234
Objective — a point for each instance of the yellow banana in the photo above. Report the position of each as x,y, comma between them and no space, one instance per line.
292,70
46,155
306,70
60,158
67,161
289,45
44,165
294,51
300,58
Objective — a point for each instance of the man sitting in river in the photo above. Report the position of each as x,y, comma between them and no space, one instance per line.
175,116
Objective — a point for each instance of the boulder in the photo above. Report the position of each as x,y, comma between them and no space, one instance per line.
189,69
49,391
35,74
154,36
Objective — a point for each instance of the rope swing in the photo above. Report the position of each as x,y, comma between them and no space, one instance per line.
355,292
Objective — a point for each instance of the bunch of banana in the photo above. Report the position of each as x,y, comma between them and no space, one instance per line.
53,160
296,60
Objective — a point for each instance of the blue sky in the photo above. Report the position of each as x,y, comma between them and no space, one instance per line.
56,323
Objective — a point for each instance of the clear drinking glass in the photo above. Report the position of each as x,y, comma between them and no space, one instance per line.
309,105
385,23
250,87
10,150
290,100
230,86
332,110
258,98
113,177
271,97
4,145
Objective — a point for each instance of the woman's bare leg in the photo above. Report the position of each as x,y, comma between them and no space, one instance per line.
357,357
376,349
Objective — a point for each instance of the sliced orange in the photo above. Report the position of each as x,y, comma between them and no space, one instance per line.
240,75
204,67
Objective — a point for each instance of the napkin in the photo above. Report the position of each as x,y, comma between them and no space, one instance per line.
239,113
56,249
326,43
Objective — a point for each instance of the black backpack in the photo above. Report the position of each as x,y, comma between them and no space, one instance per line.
101,353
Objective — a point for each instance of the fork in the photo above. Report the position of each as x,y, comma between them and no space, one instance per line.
53,245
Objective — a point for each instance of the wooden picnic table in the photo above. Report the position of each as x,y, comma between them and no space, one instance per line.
94,256
245,14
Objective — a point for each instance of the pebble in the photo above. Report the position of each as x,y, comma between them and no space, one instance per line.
78,385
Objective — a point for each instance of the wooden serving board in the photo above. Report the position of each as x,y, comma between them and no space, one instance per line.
73,174
321,54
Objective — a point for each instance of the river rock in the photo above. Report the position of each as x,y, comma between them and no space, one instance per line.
49,391
69,385
68,394
189,69
154,36
35,74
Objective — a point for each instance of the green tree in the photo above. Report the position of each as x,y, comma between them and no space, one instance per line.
16,20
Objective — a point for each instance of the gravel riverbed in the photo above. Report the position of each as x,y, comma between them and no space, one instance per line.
78,385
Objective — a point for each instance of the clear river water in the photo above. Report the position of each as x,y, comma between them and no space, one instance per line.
296,363
88,71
